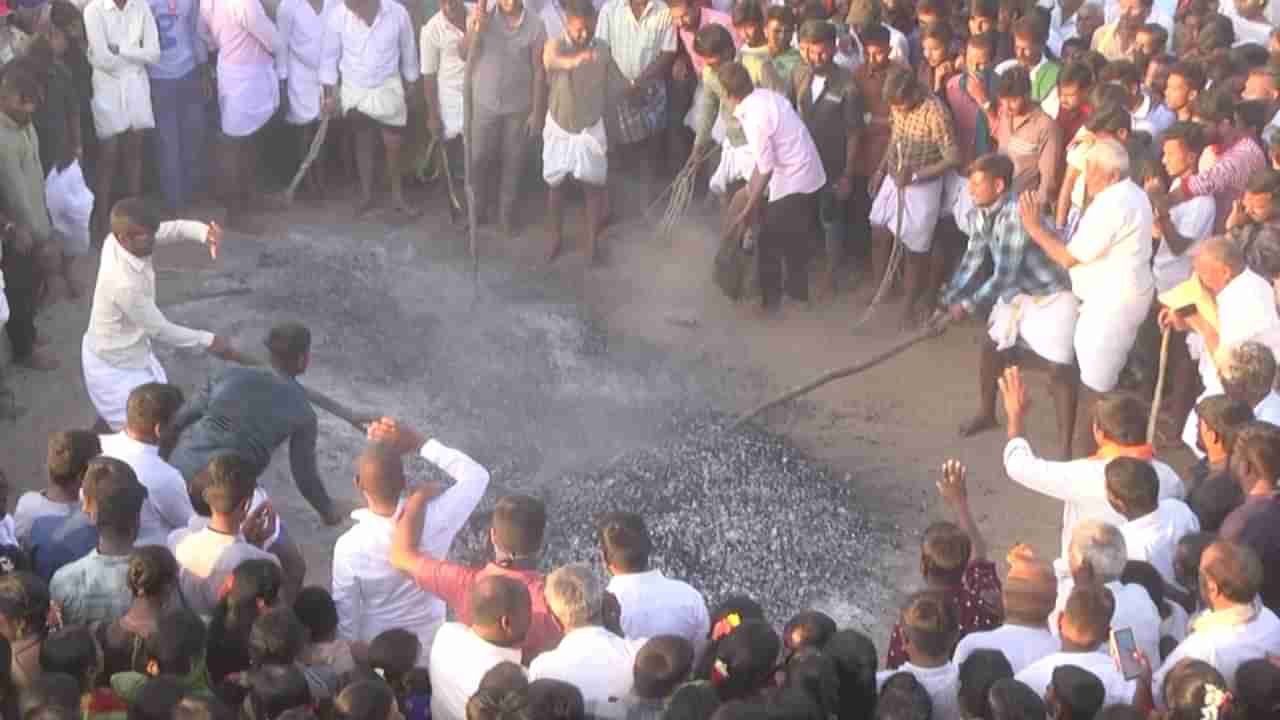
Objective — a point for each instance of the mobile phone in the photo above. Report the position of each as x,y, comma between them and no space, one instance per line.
1123,650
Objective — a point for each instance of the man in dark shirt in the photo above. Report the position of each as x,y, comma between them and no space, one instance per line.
249,411
1255,462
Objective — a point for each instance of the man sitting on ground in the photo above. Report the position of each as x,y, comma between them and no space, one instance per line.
461,655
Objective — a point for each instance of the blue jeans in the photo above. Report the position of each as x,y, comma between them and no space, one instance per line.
179,107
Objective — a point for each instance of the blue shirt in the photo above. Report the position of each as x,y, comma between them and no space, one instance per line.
57,541
181,48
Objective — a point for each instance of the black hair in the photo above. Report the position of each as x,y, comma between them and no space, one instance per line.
877,35
808,628
227,482
273,689
978,672
744,660
692,701
1135,483
137,211
152,571
288,342
156,699
1122,417
316,610
747,14
1078,690
276,638
1184,686
180,642
24,601
395,652
364,700
1188,133
69,454
1258,689
713,40
1138,572
816,31
72,651
152,404
519,522
1191,72
555,700
499,704
235,613
661,664
1015,82
625,540
856,662
1012,700
814,673
903,698
735,79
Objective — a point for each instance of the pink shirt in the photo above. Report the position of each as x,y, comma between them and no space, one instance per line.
240,30
714,17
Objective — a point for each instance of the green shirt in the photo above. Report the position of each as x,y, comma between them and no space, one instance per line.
22,177
763,74
787,62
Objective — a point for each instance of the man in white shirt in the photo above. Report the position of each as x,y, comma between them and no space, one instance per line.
589,657
368,45
1124,17
1234,627
442,45
371,595
930,629
1119,428
209,555
1109,261
168,506
1028,593
1181,227
124,320
789,168
1084,626
651,603
1154,526
122,40
461,654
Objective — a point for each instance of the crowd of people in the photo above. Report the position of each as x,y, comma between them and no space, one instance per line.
1080,178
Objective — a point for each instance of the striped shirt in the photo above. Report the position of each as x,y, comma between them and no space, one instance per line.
636,43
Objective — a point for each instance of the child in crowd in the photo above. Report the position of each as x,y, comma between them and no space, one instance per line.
315,609
394,655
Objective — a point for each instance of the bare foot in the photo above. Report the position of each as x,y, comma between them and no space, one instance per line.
38,360
366,204
978,424
553,250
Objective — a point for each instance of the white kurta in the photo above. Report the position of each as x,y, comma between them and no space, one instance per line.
121,43
440,39
920,212
581,156
300,30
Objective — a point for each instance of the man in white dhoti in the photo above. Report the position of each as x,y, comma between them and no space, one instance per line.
1034,308
248,94
124,320
122,41
368,44
583,80
301,28
443,47
1109,260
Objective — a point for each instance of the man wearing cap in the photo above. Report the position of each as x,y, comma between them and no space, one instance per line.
250,411
1030,589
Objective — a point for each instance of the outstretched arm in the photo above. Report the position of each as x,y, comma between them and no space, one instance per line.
955,492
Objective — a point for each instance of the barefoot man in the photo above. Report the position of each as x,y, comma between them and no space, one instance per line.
369,45
583,79
116,352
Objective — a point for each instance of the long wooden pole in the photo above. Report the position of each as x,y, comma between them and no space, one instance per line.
468,118
1159,394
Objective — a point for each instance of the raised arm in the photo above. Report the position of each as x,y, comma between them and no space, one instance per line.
955,492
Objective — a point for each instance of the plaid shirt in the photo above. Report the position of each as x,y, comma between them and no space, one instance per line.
922,134
1021,267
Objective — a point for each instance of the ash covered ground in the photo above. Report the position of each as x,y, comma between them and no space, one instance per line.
526,382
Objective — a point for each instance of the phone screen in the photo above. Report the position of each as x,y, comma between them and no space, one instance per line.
1123,648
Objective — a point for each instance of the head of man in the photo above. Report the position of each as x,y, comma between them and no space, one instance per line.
1247,371
1030,588
227,485
1127,75
1013,91
1029,36
808,628
929,626
736,81
134,222
714,45
1085,622
1182,144
818,45
1255,457
902,92
944,554
990,176
1074,694
1074,83
686,15
111,487
501,609
579,22
68,457
1251,9
625,543
289,345
1260,193
20,94
984,15
779,26
1262,83
1106,165
510,8
748,23
380,477
575,596
978,672
1133,490
1230,575
1120,418
903,698
935,44
1186,80
1150,41
1217,262
1133,13
519,522
24,606
1014,700
875,47
1096,553
929,12
661,665
1156,78
1219,417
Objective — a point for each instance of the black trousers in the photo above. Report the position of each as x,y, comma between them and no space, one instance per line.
21,285
789,233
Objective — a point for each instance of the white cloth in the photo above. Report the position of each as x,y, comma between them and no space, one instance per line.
1134,609
1226,647
206,558
780,143
1118,690
121,88
1113,280
301,32
248,95
1192,219
440,57
702,96
920,211
1228,8
634,43
458,662
124,318
384,103
1250,31
1020,644
168,504
737,164
942,683
595,661
34,505
552,19
368,56
1174,625
1162,12
70,204
4,304
654,604
1152,117
1081,485
370,594
109,386
1153,537
1045,324
582,156
1060,30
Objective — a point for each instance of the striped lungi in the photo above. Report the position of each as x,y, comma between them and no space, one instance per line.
643,119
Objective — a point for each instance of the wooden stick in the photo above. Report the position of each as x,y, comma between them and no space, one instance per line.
313,152
924,333
1155,400
468,119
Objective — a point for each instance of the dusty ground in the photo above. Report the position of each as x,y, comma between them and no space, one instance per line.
558,370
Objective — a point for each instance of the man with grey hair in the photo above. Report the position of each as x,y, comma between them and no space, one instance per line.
1097,555
589,657
1235,305
1248,374
1109,261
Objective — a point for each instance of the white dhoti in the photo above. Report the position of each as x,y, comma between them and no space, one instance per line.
452,116
1046,325
582,156
736,165
956,199
700,99
1105,333
304,94
121,102
248,96
384,103
919,212
109,386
